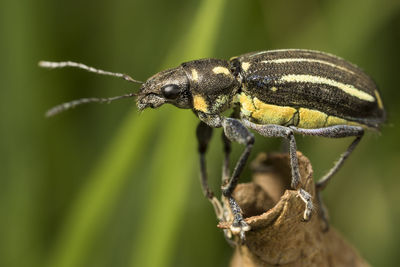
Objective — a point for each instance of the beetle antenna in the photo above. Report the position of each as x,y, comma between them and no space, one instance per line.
68,105
64,64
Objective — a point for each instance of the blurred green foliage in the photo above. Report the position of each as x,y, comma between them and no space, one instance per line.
103,185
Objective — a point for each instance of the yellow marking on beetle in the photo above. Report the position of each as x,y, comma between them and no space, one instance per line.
310,118
378,99
236,99
274,89
245,66
286,60
333,120
221,70
220,102
246,105
272,114
195,75
347,88
199,103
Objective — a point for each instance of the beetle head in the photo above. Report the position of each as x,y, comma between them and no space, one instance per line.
169,86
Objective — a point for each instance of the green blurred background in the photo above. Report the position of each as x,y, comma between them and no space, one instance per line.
103,185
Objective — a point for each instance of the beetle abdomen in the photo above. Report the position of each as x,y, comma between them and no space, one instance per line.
325,89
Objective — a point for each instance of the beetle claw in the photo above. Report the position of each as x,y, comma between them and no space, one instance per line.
240,228
307,198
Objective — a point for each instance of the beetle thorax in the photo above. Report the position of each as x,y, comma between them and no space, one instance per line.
212,84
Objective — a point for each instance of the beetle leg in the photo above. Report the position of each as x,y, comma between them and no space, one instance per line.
237,132
227,152
204,133
272,130
337,131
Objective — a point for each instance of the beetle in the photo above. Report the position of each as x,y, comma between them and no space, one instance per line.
276,93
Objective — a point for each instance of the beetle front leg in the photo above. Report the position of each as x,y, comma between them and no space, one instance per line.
234,131
227,152
237,132
272,130
204,133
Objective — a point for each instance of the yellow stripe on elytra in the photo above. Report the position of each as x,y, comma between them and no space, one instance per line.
221,70
195,75
199,103
286,60
347,88
378,99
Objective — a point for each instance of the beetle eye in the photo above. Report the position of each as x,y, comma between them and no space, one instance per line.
170,91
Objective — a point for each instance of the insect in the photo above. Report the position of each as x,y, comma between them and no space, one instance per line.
275,93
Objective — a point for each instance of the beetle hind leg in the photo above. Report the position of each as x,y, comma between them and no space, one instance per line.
337,131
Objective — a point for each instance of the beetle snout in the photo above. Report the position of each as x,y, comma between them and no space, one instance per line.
149,101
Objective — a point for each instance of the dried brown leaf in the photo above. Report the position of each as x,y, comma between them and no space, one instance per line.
279,236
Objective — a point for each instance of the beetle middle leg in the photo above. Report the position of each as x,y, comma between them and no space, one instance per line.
235,131
227,149
272,130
